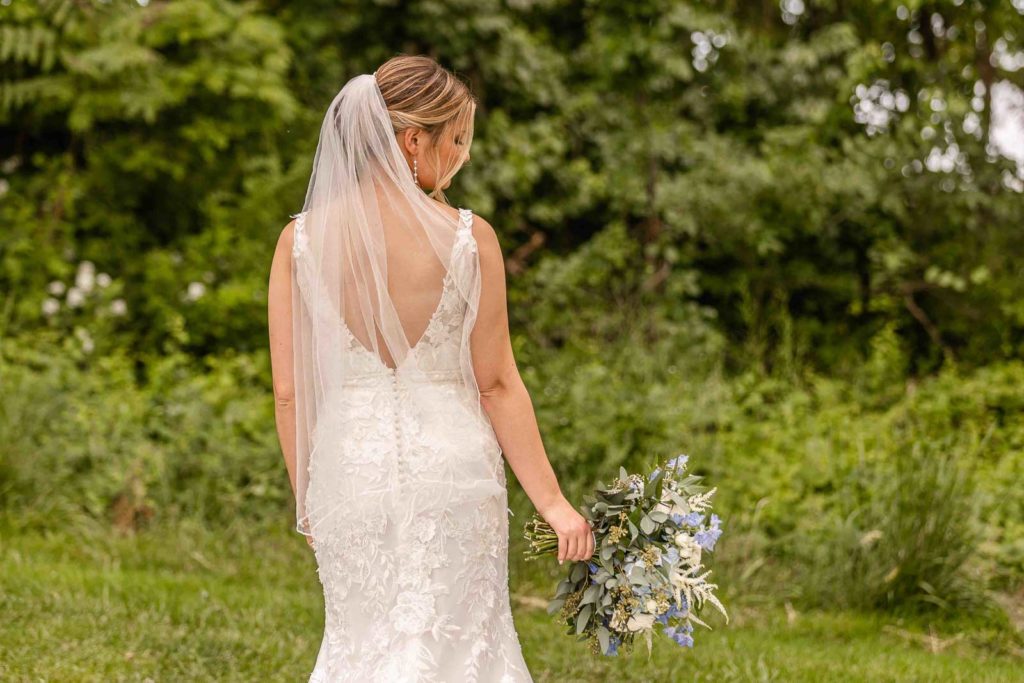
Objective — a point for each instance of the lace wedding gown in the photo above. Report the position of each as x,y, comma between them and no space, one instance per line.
411,540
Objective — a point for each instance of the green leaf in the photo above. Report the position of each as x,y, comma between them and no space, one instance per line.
583,618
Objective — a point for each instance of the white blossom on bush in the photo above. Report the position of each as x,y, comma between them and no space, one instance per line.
75,297
195,290
86,276
83,336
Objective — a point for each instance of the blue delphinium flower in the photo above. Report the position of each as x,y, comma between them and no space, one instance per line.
672,612
672,555
613,646
679,461
677,519
680,634
694,519
593,570
707,537
652,475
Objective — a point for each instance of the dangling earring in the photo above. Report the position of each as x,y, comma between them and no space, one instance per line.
416,171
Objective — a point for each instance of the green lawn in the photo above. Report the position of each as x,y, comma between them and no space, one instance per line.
189,604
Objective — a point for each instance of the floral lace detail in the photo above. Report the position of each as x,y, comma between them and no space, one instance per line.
300,240
408,506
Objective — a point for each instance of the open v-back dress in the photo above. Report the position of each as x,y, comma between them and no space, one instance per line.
410,521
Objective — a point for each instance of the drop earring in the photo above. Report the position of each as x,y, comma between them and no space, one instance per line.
415,171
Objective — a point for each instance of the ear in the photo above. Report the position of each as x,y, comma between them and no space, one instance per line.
411,140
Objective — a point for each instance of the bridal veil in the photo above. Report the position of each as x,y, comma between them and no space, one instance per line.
377,252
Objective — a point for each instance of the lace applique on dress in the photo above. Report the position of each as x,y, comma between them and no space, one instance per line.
300,239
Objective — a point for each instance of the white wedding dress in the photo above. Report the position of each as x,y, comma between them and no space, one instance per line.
411,533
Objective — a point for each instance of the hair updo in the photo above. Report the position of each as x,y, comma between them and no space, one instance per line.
420,92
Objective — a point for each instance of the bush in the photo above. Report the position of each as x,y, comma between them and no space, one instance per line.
906,532
84,437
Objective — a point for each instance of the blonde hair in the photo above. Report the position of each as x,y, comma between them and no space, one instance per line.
420,92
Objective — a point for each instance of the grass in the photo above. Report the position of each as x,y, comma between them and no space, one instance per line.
191,604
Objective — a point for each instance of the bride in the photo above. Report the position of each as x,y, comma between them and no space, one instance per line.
397,394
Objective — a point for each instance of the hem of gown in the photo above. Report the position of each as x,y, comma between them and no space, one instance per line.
319,673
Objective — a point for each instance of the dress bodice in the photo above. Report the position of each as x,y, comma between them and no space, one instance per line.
436,353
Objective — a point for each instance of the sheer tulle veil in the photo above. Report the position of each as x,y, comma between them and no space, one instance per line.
376,254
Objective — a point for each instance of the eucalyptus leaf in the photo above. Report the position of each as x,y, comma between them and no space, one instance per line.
583,618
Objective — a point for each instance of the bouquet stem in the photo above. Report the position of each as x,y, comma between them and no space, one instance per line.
543,539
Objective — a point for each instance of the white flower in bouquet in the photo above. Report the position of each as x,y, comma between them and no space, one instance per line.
689,549
640,622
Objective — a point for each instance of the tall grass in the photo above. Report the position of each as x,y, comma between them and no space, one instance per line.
905,530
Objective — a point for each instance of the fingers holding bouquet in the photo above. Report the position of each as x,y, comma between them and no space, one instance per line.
570,530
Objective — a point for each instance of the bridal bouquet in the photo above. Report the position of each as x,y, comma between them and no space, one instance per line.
646,571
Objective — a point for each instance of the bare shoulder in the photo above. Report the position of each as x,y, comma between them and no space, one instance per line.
285,247
483,231
287,237
484,234
286,242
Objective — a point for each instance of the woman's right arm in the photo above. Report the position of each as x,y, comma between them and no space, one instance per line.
279,319
510,408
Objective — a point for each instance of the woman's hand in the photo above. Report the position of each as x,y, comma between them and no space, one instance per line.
575,535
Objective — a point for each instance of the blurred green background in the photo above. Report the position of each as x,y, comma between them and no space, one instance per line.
782,237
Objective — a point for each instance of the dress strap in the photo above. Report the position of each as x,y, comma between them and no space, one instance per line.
466,220
300,239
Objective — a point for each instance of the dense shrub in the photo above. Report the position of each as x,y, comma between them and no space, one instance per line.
85,437
829,491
